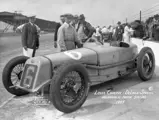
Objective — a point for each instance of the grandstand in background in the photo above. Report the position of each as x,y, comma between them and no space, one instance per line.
10,21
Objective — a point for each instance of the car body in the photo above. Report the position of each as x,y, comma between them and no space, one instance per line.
103,63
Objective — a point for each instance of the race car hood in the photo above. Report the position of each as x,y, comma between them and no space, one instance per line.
82,55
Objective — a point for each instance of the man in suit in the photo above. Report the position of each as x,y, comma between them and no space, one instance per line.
30,37
56,29
119,32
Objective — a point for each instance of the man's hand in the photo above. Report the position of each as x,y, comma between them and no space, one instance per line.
25,47
84,40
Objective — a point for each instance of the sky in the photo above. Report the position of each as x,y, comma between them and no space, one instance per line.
97,12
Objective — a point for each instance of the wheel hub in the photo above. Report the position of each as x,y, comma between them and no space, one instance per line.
71,88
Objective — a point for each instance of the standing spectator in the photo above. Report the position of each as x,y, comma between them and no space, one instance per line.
105,34
84,29
98,31
97,36
62,18
138,28
128,31
119,31
155,29
67,37
30,37
110,28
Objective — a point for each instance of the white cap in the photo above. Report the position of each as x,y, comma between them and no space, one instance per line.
31,15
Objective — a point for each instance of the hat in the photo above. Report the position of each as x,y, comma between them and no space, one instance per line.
62,16
75,16
69,16
81,17
31,16
119,22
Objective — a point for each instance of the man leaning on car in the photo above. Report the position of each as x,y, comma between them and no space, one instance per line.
67,37
84,29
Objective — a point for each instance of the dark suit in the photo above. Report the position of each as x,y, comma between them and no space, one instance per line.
30,37
56,30
119,33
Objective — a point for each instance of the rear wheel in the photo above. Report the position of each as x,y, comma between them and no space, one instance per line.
146,64
69,87
12,74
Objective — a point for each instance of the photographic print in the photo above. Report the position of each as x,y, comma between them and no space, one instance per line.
79,60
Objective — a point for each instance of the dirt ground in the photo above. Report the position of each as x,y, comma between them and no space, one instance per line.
99,105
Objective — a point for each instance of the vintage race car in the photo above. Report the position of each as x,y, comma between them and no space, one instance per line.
70,74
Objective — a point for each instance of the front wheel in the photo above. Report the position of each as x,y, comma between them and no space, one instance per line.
69,87
146,64
12,74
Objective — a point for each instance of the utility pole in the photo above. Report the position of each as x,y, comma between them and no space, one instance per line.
140,15
126,20
113,22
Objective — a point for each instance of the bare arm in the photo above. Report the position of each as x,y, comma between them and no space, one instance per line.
20,28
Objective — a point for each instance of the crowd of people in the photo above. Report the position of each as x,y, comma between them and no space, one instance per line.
73,31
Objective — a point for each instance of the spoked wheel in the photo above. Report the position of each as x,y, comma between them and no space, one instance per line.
16,74
12,74
146,64
69,87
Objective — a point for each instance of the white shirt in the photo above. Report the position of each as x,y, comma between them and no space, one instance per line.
105,30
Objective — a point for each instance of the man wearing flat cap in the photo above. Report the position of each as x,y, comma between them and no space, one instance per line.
84,29
30,37
67,37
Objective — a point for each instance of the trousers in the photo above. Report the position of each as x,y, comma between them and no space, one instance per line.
29,52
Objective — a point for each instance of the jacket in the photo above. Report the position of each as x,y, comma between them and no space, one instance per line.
56,31
88,29
30,37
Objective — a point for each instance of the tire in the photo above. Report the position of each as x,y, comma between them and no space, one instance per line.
55,96
141,61
6,75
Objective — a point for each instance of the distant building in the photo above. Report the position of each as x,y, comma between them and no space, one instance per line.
9,21
5,27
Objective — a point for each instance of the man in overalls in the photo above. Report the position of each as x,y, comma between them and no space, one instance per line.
67,37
